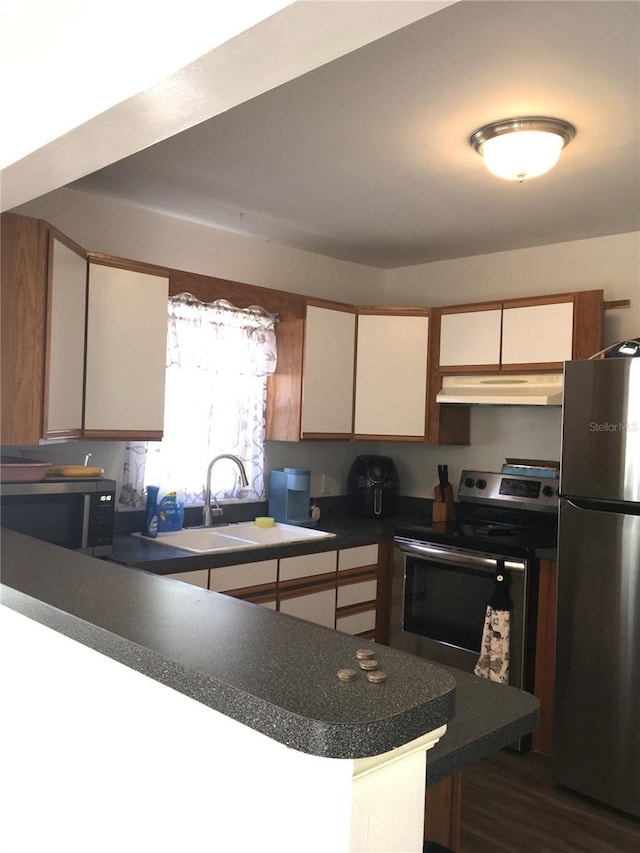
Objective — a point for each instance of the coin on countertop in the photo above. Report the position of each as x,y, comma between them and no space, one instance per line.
347,674
368,664
364,654
376,676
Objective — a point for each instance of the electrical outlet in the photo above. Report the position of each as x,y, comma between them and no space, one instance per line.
325,486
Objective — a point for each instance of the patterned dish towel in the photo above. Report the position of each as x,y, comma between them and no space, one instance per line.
493,662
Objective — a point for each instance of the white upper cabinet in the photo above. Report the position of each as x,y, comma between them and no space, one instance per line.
327,388
66,336
391,375
470,337
537,334
126,353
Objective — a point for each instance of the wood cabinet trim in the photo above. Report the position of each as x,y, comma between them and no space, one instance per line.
588,317
260,590
330,305
127,264
536,367
470,368
67,241
358,574
443,804
355,609
544,678
395,311
532,301
471,308
122,435
23,297
305,586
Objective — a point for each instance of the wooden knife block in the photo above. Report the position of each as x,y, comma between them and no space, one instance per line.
443,510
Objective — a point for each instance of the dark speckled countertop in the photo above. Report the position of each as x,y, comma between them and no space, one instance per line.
270,671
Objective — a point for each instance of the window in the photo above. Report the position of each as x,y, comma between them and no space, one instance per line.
218,361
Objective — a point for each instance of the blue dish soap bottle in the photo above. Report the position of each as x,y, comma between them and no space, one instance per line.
170,508
150,527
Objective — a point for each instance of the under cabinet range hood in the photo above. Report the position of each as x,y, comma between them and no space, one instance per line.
517,389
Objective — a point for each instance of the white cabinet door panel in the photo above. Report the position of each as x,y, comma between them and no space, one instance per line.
358,623
356,593
318,607
307,565
354,558
243,575
537,333
327,389
470,337
391,375
126,350
68,302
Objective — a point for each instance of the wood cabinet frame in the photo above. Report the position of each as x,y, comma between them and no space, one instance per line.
588,309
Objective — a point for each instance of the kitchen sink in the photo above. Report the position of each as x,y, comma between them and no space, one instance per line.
236,537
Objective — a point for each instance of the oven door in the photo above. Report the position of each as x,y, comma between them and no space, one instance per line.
439,601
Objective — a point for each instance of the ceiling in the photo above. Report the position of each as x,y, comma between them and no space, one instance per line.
367,157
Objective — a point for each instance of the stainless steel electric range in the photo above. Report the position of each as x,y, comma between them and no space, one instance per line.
444,574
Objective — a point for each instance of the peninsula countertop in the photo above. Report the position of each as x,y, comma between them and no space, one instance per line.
274,673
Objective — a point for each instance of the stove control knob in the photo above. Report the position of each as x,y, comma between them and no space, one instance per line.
481,484
548,491
469,482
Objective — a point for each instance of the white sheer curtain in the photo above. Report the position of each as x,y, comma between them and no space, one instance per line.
218,360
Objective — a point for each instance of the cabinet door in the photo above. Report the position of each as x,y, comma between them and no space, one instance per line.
244,575
314,606
537,334
360,557
307,565
126,353
327,387
66,336
469,338
391,376
197,577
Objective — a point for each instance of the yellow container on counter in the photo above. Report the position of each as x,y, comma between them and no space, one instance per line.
264,521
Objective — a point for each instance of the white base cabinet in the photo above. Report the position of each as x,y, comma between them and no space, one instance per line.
338,589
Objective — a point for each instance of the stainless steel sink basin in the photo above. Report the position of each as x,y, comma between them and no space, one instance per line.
236,537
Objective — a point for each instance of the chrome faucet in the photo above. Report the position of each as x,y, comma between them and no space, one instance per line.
209,512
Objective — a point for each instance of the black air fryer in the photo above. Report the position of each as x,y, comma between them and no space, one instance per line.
372,486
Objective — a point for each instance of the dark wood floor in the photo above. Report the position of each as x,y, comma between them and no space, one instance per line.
510,806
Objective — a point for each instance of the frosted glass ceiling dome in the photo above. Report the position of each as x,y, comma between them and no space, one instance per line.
518,149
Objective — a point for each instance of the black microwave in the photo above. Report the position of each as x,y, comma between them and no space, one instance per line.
76,514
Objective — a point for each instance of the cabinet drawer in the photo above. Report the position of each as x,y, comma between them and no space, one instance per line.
356,593
318,607
307,565
357,623
353,558
198,577
243,575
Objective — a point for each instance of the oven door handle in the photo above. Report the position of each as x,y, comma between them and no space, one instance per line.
457,557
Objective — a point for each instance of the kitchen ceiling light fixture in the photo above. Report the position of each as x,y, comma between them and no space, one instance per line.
521,148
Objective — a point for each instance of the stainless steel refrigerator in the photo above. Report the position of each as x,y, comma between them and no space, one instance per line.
596,736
